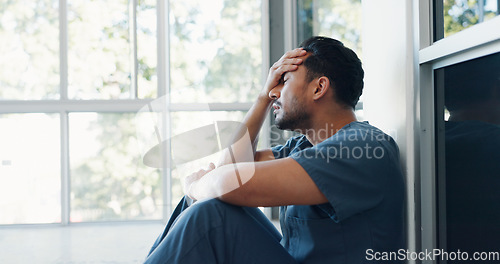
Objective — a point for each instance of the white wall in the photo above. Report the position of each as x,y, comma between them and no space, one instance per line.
390,49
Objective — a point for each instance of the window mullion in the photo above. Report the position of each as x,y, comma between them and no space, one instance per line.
163,47
63,115
65,174
266,49
63,49
290,24
133,40
163,72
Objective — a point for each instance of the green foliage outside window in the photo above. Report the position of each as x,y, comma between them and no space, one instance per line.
461,14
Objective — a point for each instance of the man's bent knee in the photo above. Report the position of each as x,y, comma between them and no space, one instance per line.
212,208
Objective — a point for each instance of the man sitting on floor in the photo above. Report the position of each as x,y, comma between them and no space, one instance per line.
339,183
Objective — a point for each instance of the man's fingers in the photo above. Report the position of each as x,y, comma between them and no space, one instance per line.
287,61
294,53
286,68
201,173
295,61
286,65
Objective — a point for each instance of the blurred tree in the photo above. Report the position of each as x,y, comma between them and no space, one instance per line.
236,69
29,32
339,19
216,56
99,33
147,53
216,50
461,14
111,182
99,49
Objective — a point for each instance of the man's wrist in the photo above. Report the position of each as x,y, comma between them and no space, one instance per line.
264,98
189,191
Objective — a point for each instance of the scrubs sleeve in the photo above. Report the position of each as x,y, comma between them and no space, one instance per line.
291,146
347,173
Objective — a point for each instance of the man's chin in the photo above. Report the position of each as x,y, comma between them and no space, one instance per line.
278,124
287,125
282,125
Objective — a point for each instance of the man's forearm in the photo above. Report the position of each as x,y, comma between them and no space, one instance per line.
243,145
246,137
221,180
256,116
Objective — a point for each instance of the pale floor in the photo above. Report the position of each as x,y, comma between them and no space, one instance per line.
104,243
96,243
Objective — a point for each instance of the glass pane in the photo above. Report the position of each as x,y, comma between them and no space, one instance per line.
468,157
184,122
30,171
99,49
338,19
216,53
29,48
146,49
108,179
461,14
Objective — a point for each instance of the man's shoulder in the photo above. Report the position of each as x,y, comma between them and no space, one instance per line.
359,132
298,141
292,145
361,141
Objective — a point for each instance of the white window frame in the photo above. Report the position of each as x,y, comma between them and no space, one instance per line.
477,41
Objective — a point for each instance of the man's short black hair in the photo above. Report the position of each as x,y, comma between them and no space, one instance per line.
342,67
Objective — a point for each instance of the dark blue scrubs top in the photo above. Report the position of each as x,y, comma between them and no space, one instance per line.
358,171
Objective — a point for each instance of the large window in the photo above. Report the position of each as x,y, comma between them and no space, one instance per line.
73,80
459,105
77,76
468,163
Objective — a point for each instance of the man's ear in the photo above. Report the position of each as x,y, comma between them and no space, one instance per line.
321,87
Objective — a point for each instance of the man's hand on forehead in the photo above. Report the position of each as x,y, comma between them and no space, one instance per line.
290,61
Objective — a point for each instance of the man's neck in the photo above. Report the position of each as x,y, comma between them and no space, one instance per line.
327,125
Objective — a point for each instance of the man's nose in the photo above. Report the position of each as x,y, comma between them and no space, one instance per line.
275,93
